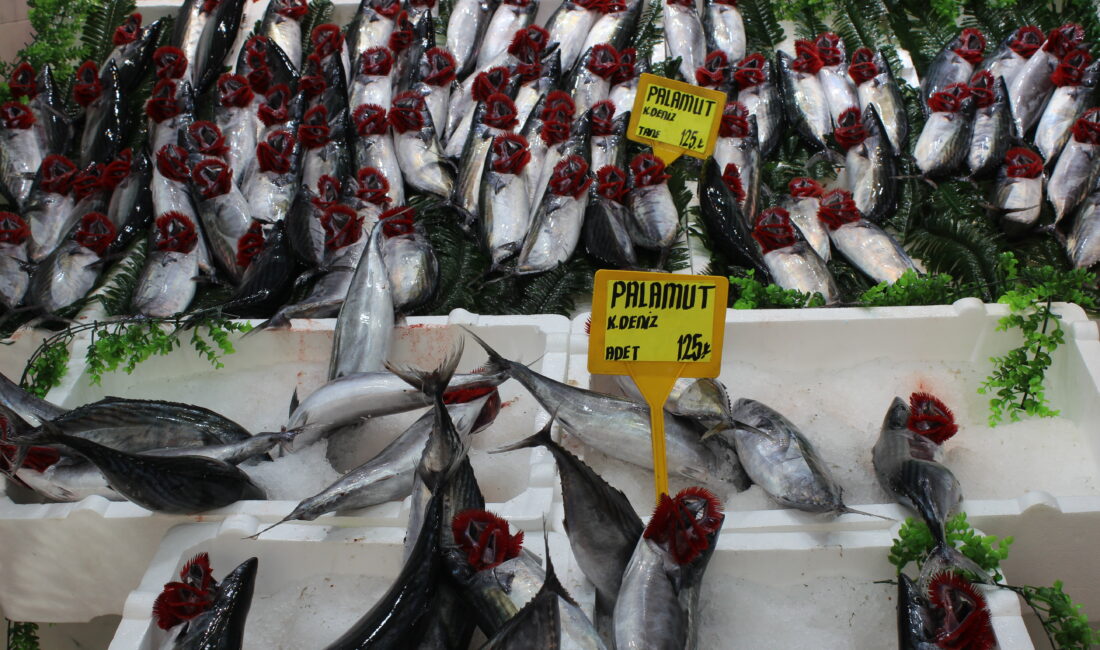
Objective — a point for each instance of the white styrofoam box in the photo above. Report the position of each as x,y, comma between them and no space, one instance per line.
833,372
313,581
70,562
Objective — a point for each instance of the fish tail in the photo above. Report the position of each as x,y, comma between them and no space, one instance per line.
852,511
551,583
431,382
277,322
540,439
496,363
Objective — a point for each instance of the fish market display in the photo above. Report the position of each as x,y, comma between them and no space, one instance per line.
792,262
1019,193
1078,166
989,136
870,248
943,143
953,65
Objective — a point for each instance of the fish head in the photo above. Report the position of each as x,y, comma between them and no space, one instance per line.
128,31
914,620
57,174
212,177
612,183
117,170
206,138
175,232
603,61
403,33
731,176
951,99
1021,162
327,40
509,154
163,103
850,130
1087,127
715,71
277,152
173,163
960,609
234,91
752,70
493,80
735,121
409,112
95,232
370,119
484,539
982,88
343,226
807,59
437,67
499,112
292,9
1071,69
22,82
863,67
836,208
375,62
1063,40
1026,40
250,244
314,131
686,526
803,187
773,230
372,186
830,48
170,62
930,417
628,62
87,86
13,229
970,45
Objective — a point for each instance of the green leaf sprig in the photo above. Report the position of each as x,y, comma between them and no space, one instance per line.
912,289
22,636
752,294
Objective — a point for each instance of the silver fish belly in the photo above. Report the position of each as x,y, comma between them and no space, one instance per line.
362,336
872,250
1073,176
684,38
799,267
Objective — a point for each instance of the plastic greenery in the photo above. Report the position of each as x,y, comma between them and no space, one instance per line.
914,544
911,289
57,25
99,28
320,12
752,294
22,636
1016,382
1066,627
127,342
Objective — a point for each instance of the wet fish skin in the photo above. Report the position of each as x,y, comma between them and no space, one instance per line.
421,160
614,426
803,212
465,30
875,190
1030,89
49,109
615,27
496,593
471,166
27,406
605,233
505,213
21,153
1021,200
724,29
602,525
1083,243
507,19
14,276
1005,62
804,100
799,267
50,216
413,269
284,31
611,149
1074,175
569,26
268,280
105,122
380,152
189,24
64,277
882,92
68,483
990,134
655,222
764,103
183,485
363,328
745,153
942,146
914,621
946,68
233,453
222,626
131,205
166,285
872,250
840,91
529,94
725,222
684,37
1065,106
133,425
225,218
367,29
215,44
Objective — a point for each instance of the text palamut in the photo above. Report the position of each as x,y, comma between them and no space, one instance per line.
659,295
680,101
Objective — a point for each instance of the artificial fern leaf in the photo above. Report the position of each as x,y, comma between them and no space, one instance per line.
553,292
122,280
99,29
762,28
807,25
649,34
860,23
320,12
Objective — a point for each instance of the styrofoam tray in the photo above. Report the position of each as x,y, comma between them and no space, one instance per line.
833,372
71,562
313,581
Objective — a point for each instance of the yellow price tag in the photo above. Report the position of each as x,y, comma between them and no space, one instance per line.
675,118
656,328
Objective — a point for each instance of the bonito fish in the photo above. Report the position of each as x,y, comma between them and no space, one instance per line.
1078,166
876,86
793,263
870,248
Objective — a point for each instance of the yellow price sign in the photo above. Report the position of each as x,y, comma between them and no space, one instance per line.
656,328
675,118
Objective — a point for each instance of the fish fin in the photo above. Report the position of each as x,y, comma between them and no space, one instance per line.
783,441
285,519
293,402
551,583
714,430
540,439
948,558
277,322
431,382
843,509
496,362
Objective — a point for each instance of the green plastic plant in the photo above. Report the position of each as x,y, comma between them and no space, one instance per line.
22,636
1017,380
912,289
752,294
1066,627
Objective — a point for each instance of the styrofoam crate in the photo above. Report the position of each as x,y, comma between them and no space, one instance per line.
833,372
313,581
71,562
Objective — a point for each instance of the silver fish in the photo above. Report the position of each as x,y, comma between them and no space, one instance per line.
235,115
1083,243
465,29
49,208
66,483
619,427
235,452
505,214
282,24
660,588
412,267
510,16
49,106
166,285
804,98
655,223
953,65
14,275
371,28
870,248
783,462
569,26
1032,87
1066,104
1014,52
463,105
615,26
608,139
324,148
224,212
492,118
556,225
374,147
871,171
990,134
372,78
802,205
418,153
389,475
724,29
551,118
189,24
368,193
131,206
70,272
533,90
840,92
684,37
22,149
1019,190
942,145
759,93
606,236
435,77
25,405
1075,172
624,87
877,86
792,262
223,624
498,592
361,340
591,80
271,188
740,147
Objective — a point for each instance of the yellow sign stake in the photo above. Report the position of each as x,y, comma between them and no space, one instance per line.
656,328
675,118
